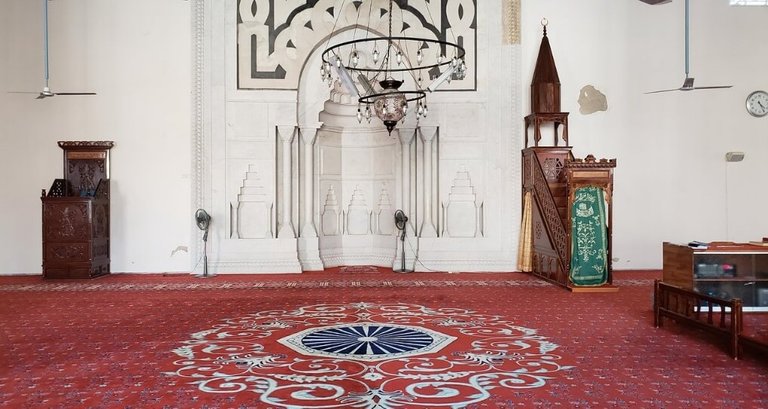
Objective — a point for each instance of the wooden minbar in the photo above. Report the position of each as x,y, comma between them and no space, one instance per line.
76,213
545,96
553,179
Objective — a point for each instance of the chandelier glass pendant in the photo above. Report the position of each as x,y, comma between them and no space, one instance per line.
382,65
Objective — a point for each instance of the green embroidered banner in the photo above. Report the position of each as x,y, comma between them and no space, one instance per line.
589,246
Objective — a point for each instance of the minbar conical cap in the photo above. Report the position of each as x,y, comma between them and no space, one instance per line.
546,70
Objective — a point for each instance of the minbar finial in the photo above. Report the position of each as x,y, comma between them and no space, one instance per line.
544,23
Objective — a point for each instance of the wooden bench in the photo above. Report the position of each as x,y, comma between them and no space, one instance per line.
715,315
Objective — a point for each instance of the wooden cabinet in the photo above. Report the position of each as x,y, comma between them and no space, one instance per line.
76,214
727,270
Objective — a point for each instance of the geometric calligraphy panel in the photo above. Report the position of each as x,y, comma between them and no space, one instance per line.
275,37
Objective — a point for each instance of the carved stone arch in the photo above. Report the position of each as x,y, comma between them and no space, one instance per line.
311,92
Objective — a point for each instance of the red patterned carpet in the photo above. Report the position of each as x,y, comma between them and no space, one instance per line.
357,340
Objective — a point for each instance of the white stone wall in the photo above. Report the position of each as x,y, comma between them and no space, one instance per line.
136,57
242,139
672,182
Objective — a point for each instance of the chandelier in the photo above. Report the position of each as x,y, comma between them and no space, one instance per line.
382,65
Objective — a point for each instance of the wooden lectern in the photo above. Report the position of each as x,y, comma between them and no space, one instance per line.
76,213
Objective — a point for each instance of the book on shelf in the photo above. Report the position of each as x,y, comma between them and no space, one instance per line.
759,243
698,245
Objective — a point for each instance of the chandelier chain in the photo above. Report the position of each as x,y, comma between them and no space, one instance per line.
349,60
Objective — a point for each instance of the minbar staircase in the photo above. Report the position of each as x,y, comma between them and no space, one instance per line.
552,175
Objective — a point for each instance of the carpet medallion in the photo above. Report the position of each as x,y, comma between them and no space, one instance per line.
368,355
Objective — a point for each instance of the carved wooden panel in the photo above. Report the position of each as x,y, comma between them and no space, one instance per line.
550,238
546,263
553,167
101,220
76,213
86,163
75,237
68,251
59,188
66,221
85,174
550,214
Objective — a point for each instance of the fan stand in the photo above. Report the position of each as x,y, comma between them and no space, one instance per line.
401,222
402,255
205,258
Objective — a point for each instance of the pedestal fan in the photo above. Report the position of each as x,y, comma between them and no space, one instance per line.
400,222
203,220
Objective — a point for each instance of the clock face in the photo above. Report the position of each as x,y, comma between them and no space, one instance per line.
757,103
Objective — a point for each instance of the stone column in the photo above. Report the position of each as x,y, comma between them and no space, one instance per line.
308,241
428,134
285,133
308,135
406,139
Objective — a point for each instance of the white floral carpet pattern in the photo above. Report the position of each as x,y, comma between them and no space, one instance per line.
367,355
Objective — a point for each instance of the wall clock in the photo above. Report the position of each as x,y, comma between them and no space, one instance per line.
757,103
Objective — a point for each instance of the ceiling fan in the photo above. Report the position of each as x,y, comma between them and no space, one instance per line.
46,92
688,82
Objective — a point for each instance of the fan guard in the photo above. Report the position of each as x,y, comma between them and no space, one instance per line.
203,221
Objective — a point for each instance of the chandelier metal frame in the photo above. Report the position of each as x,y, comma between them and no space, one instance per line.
400,54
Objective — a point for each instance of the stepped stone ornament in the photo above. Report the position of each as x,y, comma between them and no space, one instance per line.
252,213
383,223
358,215
331,214
461,211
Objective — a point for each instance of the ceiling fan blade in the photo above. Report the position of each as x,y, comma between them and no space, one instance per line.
22,92
664,90
688,82
714,87
46,92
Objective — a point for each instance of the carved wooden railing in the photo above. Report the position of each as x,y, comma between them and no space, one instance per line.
718,316
752,344
553,224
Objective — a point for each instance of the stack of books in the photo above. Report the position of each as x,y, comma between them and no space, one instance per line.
698,245
763,242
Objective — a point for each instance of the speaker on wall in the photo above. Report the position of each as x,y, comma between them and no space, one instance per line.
734,156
